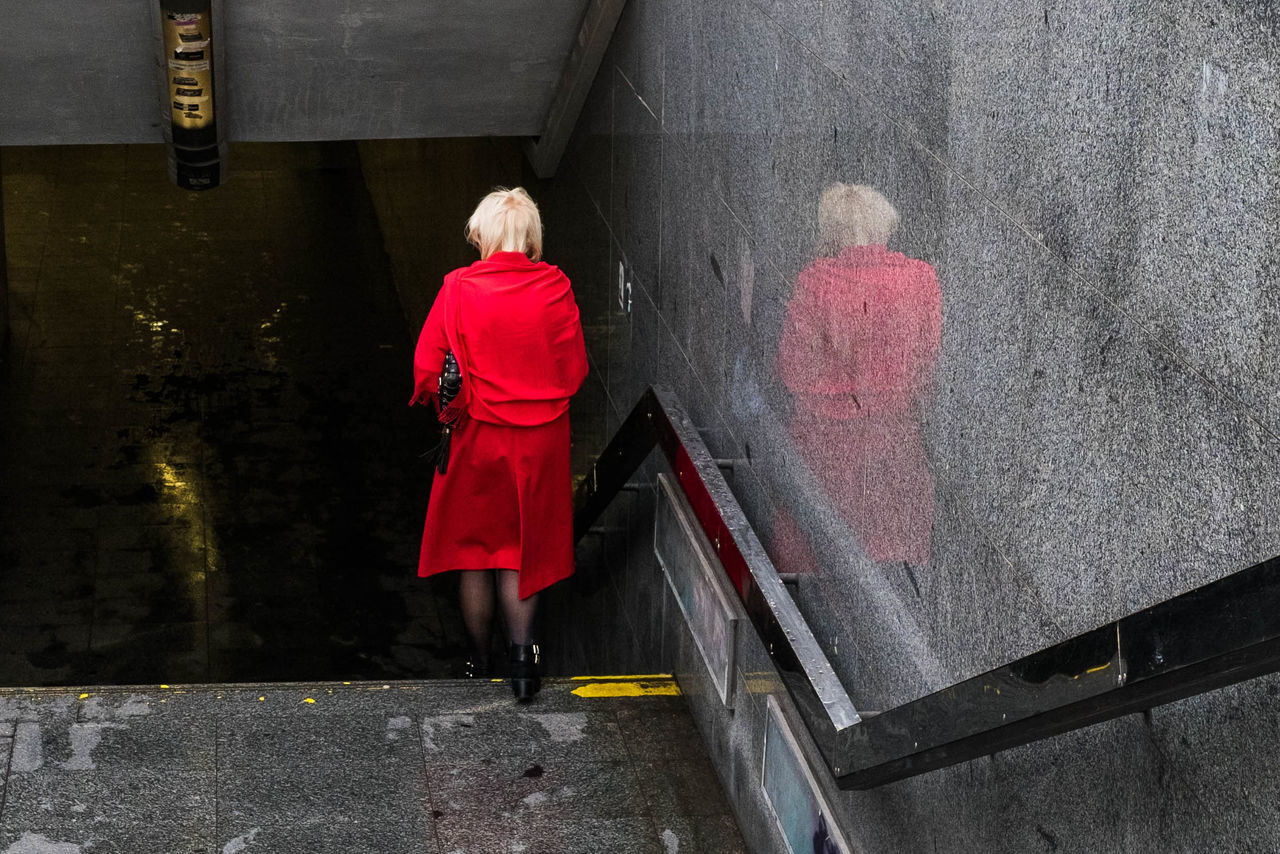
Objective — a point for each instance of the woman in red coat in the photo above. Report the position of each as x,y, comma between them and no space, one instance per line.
502,512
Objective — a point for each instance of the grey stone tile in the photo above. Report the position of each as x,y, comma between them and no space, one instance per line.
108,838
516,788
32,706
1218,749
635,339
1119,755
682,787
588,836
126,743
377,741
637,49
589,154
708,270
324,837
306,793
635,213
535,736
125,705
112,804
729,128
658,734
704,834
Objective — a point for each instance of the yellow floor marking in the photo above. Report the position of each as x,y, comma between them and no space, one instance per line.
763,685
640,678
651,688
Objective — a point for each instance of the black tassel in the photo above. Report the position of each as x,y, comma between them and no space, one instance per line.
442,461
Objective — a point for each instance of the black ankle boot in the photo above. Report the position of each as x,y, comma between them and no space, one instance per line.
525,681
476,667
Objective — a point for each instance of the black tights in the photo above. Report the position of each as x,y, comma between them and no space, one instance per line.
476,591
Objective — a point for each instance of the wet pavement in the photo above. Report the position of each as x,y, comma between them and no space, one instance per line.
208,472
404,768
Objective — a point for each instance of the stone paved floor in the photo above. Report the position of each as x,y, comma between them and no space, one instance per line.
207,469
405,768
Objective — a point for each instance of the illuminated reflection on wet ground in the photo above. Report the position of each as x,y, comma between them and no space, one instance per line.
207,468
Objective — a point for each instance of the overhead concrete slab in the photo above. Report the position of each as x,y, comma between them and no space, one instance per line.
73,71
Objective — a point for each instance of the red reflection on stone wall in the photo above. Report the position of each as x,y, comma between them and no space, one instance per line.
859,342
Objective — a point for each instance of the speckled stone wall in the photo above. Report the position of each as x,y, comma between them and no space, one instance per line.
1077,421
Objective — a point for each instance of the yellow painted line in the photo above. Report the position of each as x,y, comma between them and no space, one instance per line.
644,677
639,688
766,685
1099,667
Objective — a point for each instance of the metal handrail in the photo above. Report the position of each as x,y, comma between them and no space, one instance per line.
1215,635
659,419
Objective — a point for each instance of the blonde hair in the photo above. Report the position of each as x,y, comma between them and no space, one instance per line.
853,215
506,221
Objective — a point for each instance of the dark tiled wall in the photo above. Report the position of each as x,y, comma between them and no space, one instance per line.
424,190
1094,187
4,288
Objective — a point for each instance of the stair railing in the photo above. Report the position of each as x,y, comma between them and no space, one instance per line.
1215,635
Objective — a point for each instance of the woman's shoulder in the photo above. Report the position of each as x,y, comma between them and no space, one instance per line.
506,262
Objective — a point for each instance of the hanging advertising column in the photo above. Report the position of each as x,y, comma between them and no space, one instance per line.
197,152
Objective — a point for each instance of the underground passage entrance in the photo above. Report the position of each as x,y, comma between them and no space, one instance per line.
208,472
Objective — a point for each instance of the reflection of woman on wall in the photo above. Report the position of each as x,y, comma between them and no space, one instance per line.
859,342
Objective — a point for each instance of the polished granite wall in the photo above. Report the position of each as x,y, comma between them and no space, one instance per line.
1093,188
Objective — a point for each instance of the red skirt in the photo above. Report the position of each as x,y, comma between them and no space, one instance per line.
505,503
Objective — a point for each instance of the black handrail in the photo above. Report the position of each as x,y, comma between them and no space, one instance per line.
658,419
1215,635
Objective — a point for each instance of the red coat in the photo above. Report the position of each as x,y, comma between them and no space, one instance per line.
506,501
859,342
